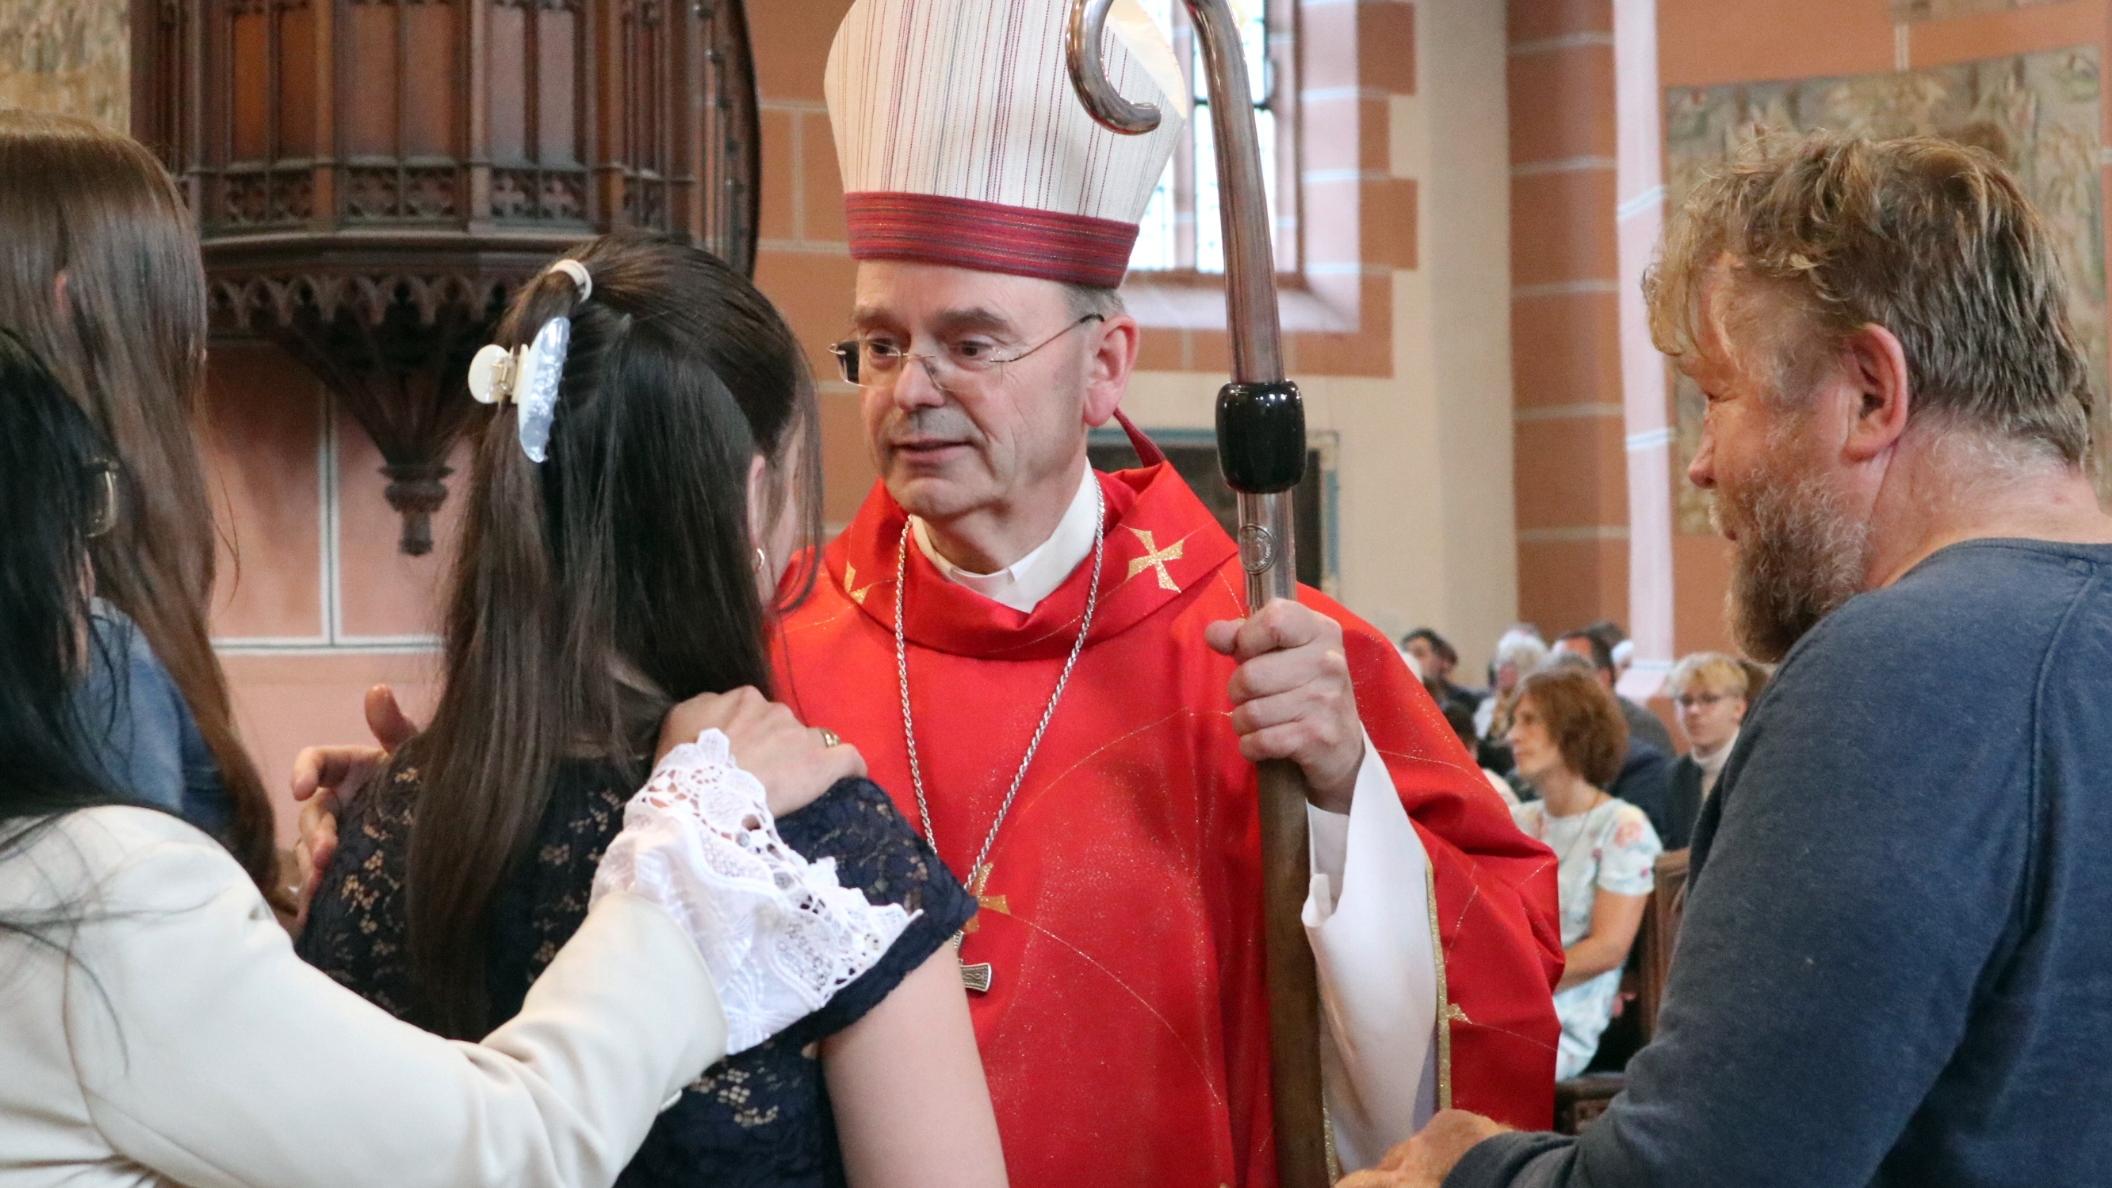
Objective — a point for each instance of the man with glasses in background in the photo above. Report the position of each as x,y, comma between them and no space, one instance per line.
1710,692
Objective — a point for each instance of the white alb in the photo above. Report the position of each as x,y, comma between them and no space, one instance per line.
779,933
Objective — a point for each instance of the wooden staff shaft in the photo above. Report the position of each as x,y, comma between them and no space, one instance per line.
1261,449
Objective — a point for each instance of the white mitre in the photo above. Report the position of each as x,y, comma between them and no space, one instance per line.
963,143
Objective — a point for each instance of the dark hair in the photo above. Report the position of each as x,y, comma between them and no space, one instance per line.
49,456
102,278
594,590
1438,644
1459,715
1582,719
1601,651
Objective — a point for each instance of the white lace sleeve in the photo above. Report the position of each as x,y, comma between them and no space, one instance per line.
780,935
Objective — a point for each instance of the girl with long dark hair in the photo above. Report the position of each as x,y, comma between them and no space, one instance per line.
155,1026
619,551
102,278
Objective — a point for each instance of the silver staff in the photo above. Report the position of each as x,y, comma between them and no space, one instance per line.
1261,449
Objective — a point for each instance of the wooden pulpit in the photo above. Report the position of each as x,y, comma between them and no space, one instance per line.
372,177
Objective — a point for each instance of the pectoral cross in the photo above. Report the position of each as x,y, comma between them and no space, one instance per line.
977,977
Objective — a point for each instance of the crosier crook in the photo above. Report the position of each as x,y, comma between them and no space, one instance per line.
1261,450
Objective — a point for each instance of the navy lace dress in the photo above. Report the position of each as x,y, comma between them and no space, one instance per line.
759,1118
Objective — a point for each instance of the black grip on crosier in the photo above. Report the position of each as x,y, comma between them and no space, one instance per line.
1261,436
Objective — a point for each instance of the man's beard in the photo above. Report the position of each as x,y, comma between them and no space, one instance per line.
1799,555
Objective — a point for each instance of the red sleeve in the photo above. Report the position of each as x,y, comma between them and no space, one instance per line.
1496,898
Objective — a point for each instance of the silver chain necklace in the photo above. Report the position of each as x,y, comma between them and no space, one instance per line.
977,977
1547,826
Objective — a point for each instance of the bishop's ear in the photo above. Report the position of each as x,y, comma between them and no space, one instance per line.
1107,371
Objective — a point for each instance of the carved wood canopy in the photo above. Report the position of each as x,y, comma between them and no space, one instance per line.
372,177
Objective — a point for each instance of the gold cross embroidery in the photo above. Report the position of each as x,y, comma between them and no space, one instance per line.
977,977
989,903
1156,558
851,587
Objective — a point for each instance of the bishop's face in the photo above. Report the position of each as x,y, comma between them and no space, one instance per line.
956,438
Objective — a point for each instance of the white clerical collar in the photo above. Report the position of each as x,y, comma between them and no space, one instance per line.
1712,763
1024,583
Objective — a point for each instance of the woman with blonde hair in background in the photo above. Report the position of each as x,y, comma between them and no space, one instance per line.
102,277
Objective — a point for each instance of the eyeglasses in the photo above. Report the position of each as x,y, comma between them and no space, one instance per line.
1690,700
876,360
102,498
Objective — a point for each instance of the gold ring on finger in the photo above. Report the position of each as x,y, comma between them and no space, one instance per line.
830,738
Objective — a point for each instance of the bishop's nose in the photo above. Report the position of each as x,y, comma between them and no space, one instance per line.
917,385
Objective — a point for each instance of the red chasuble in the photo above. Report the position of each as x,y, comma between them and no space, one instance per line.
1125,1033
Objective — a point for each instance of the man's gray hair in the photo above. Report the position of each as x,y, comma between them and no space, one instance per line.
1087,301
1931,239
1521,650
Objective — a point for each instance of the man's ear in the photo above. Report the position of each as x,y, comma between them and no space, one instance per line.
1108,369
1878,384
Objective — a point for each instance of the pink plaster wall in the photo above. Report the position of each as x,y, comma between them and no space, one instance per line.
313,602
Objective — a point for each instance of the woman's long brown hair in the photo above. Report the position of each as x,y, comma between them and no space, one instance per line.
101,275
595,589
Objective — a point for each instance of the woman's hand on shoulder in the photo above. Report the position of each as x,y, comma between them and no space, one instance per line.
327,779
794,762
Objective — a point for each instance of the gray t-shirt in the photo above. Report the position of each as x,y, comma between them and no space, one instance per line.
1896,961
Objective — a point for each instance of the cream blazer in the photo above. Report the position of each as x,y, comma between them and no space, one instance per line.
181,1040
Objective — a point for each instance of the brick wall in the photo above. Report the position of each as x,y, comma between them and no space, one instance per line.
1569,421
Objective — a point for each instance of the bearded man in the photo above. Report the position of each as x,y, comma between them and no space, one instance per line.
1894,966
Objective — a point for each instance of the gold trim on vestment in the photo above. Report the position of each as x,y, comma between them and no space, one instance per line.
1446,1012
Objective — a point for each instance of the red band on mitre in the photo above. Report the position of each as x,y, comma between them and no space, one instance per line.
989,237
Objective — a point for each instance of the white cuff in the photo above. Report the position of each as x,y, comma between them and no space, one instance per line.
780,935
1328,833
1368,920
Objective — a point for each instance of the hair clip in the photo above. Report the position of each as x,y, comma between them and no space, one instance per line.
581,278
529,377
